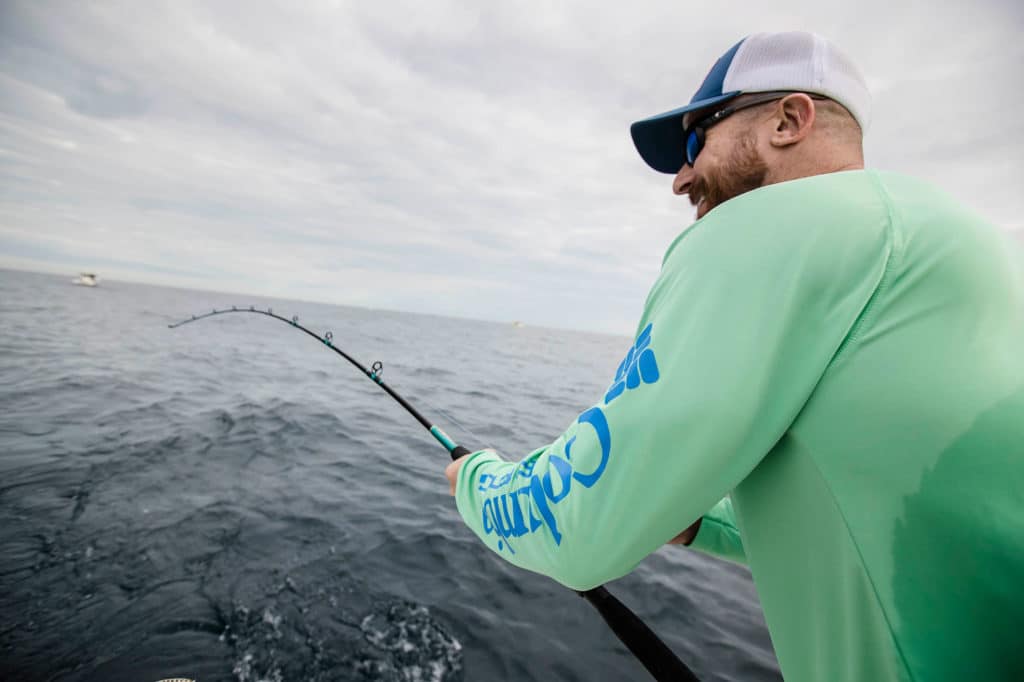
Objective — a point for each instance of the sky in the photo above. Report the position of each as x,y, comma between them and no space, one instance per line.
459,158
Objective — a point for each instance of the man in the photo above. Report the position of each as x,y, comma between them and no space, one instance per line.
827,383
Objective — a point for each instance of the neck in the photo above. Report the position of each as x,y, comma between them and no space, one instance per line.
817,165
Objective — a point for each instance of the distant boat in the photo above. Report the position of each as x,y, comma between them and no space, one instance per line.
86,279
517,323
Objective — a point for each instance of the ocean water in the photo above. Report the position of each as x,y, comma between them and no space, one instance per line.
231,501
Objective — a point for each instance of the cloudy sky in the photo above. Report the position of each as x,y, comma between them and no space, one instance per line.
462,158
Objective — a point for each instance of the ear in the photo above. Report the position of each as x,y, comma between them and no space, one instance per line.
794,118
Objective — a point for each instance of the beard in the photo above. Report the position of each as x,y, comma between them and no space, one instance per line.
742,171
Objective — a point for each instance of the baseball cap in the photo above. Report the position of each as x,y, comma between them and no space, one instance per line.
763,62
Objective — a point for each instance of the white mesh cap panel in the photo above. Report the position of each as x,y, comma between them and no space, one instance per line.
799,61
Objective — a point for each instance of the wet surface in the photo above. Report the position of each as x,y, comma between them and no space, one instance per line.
228,501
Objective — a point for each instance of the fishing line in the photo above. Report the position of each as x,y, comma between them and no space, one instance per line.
454,421
652,653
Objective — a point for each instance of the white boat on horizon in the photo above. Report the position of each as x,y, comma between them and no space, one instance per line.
86,279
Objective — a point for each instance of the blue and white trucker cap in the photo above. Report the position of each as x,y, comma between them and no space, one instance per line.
762,62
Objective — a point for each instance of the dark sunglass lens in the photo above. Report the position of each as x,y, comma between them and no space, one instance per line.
693,146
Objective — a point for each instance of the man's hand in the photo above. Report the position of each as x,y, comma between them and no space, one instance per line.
452,472
687,536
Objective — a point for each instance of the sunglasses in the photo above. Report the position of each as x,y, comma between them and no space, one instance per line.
696,133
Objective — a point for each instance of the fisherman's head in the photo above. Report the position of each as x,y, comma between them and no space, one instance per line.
775,107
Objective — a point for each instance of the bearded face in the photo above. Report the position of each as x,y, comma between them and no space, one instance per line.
741,171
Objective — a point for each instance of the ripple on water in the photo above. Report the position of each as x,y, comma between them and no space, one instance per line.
326,633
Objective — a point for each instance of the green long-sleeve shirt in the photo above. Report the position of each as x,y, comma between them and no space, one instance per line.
834,367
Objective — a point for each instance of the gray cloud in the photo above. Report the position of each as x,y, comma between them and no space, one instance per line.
468,160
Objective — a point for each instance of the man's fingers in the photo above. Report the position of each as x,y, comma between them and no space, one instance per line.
452,472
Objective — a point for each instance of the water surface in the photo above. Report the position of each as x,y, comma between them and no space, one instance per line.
231,501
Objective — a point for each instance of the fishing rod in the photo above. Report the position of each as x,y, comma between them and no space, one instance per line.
652,653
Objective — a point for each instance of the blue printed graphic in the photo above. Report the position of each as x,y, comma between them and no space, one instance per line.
503,515
529,507
638,365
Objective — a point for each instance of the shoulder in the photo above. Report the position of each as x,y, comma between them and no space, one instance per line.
817,219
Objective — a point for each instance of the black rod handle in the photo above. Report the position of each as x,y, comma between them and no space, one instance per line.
661,663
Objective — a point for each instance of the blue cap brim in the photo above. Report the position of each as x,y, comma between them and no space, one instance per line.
660,139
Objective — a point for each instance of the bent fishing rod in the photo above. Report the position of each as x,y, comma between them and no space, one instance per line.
654,654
